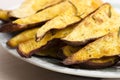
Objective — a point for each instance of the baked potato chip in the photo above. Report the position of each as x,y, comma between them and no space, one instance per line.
101,63
26,49
103,47
77,11
96,25
30,7
37,18
90,64
22,37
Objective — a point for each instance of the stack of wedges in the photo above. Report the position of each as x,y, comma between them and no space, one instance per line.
81,33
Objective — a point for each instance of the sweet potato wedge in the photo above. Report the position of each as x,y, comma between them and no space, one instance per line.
39,17
103,47
90,64
30,7
99,63
26,49
22,37
4,15
79,10
96,25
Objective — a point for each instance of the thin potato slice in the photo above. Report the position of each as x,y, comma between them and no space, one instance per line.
103,47
90,64
26,49
99,63
21,37
44,15
39,17
70,16
30,7
96,25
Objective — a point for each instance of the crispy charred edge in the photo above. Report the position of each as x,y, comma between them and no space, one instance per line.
49,44
68,61
30,54
94,65
13,27
34,51
10,27
80,43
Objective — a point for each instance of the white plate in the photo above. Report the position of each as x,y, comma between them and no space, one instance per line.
51,64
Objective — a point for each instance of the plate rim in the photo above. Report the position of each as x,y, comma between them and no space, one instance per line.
59,69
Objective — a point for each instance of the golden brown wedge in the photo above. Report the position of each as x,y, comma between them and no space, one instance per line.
26,49
99,63
79,10
30,7
96,25
90,64
22,37
45,14
4,15
103,47
39,17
